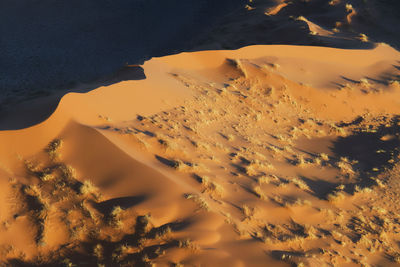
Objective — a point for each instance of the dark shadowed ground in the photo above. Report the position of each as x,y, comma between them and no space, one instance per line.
47,44
49,47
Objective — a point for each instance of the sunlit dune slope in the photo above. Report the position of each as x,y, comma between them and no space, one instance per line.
275,155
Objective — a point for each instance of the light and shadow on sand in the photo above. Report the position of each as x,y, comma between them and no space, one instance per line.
268,154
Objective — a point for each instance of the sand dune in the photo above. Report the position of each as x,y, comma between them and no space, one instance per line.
266,155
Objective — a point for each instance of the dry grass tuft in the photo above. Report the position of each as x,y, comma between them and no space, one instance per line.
324,157
345,167
248,212
88,188
259,192
266,179
363,37
336,196
188,244
53,148
198,200
212,187
300,183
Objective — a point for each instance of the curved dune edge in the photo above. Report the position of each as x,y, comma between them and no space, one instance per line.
239,118
123,101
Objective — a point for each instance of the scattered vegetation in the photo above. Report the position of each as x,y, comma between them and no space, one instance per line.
101,235
248,140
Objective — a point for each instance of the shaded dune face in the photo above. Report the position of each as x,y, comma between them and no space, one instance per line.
336,23
51,44
58,45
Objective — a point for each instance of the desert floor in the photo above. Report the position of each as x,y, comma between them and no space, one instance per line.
269,155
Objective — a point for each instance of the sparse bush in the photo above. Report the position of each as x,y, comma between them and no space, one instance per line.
336,196
212,187
300,183
53,147
198,200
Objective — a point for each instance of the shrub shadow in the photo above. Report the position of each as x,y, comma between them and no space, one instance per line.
375,150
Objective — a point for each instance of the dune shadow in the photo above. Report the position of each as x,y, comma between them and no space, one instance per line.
53,47
350,80
378,81
59,46
107,206
176,164
320,188
255,26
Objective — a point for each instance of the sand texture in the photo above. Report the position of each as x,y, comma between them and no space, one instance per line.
263,156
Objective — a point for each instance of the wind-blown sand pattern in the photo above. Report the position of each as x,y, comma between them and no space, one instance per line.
267,155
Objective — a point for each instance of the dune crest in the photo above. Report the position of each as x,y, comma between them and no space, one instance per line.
267,154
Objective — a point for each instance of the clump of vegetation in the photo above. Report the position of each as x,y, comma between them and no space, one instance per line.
53,148
324,156
259,192
189,244
88,188
394,83
345,167
116,217
363,37
301,162
300,183
247,211
251,170
198,200
212,187
266,179
336,196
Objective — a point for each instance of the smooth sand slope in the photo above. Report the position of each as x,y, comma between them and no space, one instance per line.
264,156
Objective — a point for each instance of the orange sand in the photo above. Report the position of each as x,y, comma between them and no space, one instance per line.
259,156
